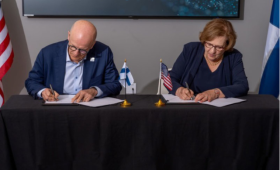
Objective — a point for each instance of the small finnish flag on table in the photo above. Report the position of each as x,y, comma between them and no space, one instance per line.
126,74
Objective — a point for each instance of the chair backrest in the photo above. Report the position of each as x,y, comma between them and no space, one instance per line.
161,86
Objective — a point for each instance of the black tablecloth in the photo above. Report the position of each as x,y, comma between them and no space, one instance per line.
242,136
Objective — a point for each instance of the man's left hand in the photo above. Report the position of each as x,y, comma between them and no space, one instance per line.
84,95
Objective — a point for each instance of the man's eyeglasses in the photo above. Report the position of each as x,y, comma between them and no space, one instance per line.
81,51
209,45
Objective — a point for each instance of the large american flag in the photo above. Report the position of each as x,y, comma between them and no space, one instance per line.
165,76
6,53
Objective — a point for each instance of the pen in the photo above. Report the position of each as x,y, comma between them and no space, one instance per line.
187,86
52,92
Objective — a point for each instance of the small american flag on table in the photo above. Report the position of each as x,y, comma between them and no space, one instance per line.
165,76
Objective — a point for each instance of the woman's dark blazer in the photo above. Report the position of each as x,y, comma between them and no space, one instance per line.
187,65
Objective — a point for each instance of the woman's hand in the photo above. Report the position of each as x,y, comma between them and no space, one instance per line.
184,93
209,95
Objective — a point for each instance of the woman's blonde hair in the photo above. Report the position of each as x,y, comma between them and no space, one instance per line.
216,28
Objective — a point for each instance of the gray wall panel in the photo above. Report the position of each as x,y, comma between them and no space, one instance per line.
142,42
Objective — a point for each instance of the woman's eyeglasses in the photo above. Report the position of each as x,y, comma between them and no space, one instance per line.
209,45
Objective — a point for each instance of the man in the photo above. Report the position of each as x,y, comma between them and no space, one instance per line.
80,65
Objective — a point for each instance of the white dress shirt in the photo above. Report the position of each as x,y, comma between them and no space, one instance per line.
73,79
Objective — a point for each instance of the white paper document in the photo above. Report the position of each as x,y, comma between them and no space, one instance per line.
66,99
220,102
101,102
62,99
170,98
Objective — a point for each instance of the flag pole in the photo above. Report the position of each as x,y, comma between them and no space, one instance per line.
160,102
160,77
125,103
125,79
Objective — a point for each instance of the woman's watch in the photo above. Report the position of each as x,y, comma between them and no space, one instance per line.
217,92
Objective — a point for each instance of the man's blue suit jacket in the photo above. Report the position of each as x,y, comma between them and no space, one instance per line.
49,68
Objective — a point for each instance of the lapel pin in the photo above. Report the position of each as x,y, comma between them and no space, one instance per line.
92,59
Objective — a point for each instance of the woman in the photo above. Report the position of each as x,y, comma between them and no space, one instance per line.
212,67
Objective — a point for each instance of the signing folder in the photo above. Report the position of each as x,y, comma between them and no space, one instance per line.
220,102
96,102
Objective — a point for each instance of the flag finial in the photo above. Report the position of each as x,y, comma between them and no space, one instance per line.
125,60
161,60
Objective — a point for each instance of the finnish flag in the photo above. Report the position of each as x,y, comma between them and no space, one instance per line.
125,73
270,68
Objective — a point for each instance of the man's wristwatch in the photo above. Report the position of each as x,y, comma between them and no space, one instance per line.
217,92
95,90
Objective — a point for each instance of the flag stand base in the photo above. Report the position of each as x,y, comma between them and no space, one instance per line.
160,103
125,103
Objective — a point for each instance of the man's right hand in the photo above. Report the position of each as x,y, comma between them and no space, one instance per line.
184,93
48,96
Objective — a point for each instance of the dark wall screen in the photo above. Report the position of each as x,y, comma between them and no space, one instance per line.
133,8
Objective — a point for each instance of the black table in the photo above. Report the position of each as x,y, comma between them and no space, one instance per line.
243,136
